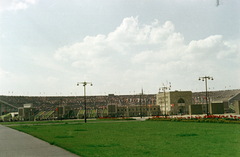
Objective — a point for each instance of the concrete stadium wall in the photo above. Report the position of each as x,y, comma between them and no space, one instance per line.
182,108
237,108
136,111
216,108
195,109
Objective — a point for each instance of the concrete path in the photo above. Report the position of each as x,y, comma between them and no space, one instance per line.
18,144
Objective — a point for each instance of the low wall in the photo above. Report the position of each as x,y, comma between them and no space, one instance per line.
195,109
216,108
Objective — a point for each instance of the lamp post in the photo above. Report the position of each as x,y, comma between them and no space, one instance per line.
205,79
84,84
164,89
141,94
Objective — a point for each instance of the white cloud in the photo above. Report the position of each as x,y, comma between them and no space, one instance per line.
52,79
8,5
150,53
3,74
32,1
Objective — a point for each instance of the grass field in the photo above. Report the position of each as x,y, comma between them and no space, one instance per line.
148,138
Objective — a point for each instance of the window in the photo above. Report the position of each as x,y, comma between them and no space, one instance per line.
181,100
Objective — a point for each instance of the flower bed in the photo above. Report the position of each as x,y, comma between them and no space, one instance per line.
201,119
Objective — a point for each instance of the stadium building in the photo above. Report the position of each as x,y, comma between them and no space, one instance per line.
174,102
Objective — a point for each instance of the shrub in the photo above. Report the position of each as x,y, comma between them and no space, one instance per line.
221,121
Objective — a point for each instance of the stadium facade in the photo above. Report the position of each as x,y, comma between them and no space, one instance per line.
177,102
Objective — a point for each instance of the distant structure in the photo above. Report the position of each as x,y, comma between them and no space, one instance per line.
227,97
177,102
5,108
170,103
27,112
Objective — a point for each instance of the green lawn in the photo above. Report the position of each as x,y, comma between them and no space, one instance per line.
148,138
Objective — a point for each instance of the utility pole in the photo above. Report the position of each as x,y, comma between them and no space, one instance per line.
205,79
164,89
141,94
84,84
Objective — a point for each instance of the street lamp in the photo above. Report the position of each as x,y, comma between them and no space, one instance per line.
141,94
84,84
164,89
205,79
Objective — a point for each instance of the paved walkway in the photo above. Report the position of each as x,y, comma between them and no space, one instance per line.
18,144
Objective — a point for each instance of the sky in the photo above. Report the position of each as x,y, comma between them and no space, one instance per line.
121,46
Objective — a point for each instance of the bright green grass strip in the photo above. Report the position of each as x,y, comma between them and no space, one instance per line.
135,138
39,114
48,114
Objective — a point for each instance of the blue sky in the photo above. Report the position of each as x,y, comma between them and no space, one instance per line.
46,47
